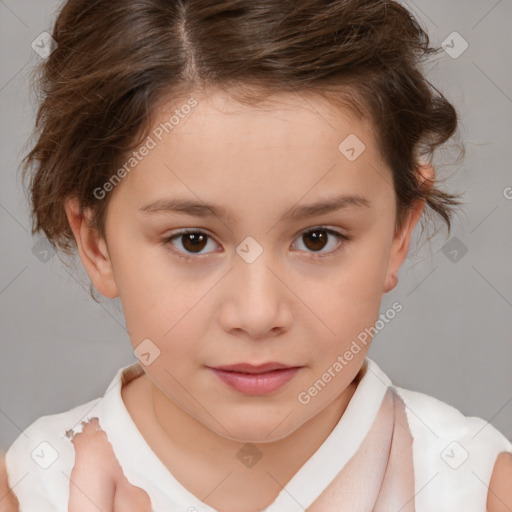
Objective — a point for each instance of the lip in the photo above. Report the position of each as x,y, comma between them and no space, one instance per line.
251,368
261,383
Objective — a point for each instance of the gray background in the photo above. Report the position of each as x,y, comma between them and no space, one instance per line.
452,339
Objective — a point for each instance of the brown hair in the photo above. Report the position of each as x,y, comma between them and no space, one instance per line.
116,61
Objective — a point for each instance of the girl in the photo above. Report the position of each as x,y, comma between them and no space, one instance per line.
246,177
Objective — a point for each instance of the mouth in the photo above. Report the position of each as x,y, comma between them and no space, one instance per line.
256,380
254,369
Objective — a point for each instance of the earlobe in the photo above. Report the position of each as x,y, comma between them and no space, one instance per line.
390,283
402,238
400,247
92,249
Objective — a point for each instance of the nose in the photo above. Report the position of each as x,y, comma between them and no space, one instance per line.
257,300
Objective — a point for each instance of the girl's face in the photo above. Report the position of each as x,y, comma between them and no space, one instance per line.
254,282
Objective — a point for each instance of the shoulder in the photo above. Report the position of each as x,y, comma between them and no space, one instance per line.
453,451
8,500
499,498
38,464
442,420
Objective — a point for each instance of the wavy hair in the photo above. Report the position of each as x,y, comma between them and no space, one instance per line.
116,61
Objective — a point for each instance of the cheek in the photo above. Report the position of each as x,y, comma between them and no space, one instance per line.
361,282
351,302
167,318
154,291
163,316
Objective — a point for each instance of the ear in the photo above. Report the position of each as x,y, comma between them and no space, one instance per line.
402,237
92,249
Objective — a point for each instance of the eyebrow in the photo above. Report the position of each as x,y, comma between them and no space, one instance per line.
204,210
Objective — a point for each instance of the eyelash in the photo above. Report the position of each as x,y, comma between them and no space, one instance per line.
342,238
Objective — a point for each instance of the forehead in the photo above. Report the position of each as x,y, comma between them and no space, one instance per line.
209,145
219,107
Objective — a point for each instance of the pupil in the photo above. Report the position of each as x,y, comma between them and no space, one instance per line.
194,241
318,239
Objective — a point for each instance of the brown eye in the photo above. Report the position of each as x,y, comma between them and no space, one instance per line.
193,242
189,242
317,238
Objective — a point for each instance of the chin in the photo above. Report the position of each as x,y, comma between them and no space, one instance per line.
264,430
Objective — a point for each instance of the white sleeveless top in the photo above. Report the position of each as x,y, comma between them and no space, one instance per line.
453,456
